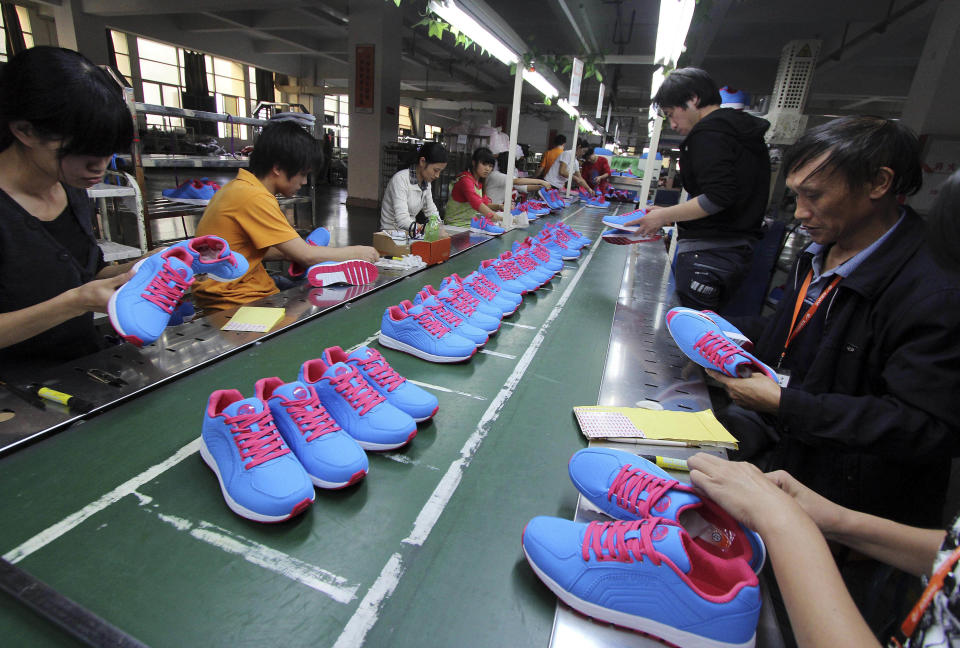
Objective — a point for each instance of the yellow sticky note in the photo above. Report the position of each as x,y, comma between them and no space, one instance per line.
255,319
653,426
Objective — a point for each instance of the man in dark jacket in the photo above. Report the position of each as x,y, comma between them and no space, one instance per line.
725,167
865,336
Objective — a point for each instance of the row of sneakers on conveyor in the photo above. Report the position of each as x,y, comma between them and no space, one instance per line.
450,323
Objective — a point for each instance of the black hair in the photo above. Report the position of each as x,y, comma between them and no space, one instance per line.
482,155
582,143
683,85
856,147
559,140
943,225
432,153
287,145
64,96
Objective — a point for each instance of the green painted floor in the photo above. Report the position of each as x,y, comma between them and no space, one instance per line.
167,562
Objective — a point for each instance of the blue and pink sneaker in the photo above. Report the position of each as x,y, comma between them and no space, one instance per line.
702,339
420,404
623,237
463,304
485,291
549,260
482,225
141,308
420,334
319,237
628,487
505,276
620,221
736,335
649,576
547,196
330,456
259,477
212,256
193,192
529,267
358,407
454,321
557,247
354,272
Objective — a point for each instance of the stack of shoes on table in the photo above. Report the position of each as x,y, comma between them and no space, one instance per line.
269,451
708,339
594,200
452,323
673,565
142,308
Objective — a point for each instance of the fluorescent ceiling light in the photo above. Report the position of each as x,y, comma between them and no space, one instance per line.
675,16
464,23
540,82
567,108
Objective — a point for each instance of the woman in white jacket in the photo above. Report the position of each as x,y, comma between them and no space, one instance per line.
408,197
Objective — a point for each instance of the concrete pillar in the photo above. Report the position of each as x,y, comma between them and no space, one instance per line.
372,23
930,108
82,32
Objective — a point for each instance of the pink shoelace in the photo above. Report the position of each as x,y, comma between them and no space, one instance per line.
448,316
430,324
462,302
259,445
608,541
525,262
377,368
717,349
166,288
486,283
316,421
630,483
481,290
503,271
352,386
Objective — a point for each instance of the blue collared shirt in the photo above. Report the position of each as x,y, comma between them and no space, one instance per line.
821,279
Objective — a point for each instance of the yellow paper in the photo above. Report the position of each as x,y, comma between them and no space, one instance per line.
641,425
256,319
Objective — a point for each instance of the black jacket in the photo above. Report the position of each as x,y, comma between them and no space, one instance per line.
873,423
725,157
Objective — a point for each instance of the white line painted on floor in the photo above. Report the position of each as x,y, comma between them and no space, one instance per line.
499,355
446,389
73,520
336,587
526,326
373,338
368,612
404,459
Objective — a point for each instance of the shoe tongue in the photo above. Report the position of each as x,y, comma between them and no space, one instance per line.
336,369
174,259
295,390
667,539
244,407
362,353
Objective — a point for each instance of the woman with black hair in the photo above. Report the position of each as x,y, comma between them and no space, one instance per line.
61,120
467,199
408,197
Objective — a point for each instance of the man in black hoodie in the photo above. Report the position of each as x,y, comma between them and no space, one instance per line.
725,168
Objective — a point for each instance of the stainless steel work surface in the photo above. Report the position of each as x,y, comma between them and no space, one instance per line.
180,349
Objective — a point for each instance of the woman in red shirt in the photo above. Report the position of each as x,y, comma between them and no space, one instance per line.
595,170
466,198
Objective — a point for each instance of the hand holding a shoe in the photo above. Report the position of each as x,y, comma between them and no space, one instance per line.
757,392
651,222
94,295
362,252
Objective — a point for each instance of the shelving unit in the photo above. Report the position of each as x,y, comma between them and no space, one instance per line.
154,209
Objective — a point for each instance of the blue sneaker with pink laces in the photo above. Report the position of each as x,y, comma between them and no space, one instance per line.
628,487
259,477
485,293
703,341
141,308
330,456
454,321
420,404
358,407
419,333
212,256
646,575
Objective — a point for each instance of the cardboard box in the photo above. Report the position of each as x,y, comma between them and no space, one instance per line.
386,246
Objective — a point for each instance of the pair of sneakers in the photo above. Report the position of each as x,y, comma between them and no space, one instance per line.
714,343
673,565
141,308
194,191
353,272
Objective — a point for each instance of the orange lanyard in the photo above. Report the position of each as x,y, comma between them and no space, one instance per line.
935,585
796,327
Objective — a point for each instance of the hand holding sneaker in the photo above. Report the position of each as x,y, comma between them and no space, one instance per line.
756,392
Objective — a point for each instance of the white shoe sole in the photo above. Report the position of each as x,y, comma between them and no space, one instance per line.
354,272
393,343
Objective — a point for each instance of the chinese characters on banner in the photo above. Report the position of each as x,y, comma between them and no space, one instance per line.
364,81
